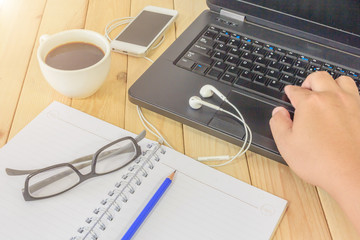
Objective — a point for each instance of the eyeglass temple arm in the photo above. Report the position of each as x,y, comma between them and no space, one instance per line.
16,172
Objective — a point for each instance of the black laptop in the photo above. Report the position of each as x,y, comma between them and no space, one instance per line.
249,50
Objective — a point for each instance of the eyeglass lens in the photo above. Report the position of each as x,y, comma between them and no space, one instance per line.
115,156
53,181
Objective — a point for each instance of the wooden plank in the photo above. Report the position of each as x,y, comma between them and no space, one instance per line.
19,23
304,218
108,103
171,130
340,225
37,93
188,11
199,144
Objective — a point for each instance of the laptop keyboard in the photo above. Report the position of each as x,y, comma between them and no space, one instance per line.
252,65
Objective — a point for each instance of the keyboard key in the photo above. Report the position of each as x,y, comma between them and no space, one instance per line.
220,65
316,62
341,71
226,33
196,57
235,36
272,56
353,74
221,48
302,74
314,68
234,43
289,70
261,90
300,65
214,73
292,55
185,63
260,80
287,61
268,47
332,73
299,82
328,66
304,58
246,47
199,68
234,52
277,85
227,78
234,70
287,79
280,51
259,52
219,56
246,75
256,43
207,42
210,34
248,57
261,61
273,74
259,69
214,29
221,39
275,65
232,60
246,65
246,40
200,49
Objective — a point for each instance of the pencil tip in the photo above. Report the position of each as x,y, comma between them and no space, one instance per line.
171,176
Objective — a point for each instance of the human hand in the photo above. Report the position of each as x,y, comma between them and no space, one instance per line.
322,142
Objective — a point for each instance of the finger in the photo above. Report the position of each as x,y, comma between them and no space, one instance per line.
347,84
320,81
281,127
296,94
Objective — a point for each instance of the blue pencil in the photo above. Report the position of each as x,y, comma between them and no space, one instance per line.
147,209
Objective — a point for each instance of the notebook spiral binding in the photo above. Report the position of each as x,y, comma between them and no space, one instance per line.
120,194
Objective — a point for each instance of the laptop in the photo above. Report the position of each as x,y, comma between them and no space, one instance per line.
249,50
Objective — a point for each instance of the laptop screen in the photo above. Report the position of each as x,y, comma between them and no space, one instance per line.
336,20
339,14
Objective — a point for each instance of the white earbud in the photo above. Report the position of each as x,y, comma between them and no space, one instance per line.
196,102
208,90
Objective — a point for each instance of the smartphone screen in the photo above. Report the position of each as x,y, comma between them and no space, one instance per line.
144,28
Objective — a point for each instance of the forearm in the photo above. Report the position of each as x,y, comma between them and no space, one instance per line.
347,194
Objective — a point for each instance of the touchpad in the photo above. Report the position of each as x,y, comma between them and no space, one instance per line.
256,113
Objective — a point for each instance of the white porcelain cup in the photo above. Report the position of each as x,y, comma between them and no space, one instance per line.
79,83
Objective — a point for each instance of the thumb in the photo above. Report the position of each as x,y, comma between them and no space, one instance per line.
281,126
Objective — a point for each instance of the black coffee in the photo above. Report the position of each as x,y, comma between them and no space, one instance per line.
74,56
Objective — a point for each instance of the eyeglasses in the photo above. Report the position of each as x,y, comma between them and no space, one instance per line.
56,179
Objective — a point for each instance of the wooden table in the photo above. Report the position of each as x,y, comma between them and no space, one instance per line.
312,213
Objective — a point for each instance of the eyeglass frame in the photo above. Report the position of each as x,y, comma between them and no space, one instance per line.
82,177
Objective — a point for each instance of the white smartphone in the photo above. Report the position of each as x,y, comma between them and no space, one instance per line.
141,34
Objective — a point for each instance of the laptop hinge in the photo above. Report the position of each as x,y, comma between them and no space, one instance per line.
232,15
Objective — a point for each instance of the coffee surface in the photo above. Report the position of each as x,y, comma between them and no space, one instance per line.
74,56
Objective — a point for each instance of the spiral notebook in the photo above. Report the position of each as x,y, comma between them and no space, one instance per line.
202,203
